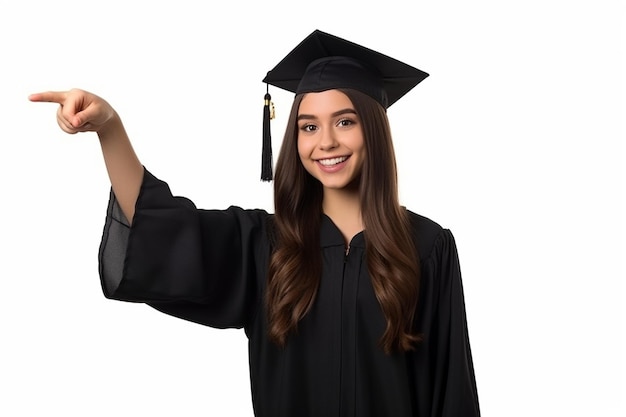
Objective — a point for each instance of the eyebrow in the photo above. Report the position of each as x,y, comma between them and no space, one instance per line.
335,114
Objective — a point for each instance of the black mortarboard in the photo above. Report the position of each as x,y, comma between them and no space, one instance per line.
323,62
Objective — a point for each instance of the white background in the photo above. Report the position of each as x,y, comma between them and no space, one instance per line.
515,143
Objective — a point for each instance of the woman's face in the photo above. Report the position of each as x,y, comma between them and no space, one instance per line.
330,139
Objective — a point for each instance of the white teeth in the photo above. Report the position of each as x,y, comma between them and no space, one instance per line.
332,161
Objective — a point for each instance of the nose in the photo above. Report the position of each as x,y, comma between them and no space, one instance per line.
327,139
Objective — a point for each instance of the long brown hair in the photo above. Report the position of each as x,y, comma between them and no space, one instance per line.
296,264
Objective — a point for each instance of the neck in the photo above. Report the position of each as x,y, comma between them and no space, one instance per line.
344,208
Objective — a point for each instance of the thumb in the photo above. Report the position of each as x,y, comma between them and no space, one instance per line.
77,109
82,116
77,120
70,110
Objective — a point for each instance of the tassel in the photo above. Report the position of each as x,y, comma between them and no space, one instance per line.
268,114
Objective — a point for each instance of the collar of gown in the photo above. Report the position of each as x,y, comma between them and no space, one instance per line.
330,235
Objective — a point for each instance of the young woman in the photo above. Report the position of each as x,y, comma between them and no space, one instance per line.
352,304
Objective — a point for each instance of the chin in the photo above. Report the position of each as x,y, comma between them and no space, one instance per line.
347,185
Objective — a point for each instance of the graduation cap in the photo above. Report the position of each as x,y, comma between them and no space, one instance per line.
323,62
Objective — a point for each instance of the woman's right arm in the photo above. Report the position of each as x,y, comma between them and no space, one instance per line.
81,111
206,266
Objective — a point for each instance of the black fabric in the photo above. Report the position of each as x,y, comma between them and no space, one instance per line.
209,267
333,72
323,61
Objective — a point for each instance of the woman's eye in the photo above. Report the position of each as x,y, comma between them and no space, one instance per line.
308,128
345,122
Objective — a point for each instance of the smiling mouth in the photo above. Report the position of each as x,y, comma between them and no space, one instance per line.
332,161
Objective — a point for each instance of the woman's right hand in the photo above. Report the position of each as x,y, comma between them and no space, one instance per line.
79,110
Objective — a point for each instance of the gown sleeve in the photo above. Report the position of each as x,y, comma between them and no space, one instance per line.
199,265
453,384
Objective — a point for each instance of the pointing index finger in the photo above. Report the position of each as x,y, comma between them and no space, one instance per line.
49,97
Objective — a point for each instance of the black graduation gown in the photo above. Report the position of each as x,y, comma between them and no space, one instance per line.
210,267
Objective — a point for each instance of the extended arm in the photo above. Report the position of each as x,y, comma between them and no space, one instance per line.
81,111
